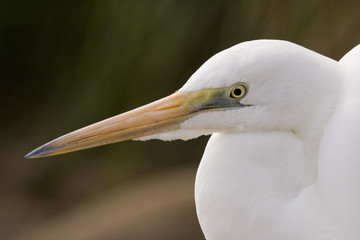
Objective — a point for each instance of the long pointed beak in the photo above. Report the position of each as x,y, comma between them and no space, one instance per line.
160,116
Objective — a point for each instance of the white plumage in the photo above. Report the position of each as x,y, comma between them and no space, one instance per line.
284,159
297,177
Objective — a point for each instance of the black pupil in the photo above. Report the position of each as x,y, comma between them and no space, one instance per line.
237,91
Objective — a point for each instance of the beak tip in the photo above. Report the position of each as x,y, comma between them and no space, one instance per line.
39,152
29,155
32,154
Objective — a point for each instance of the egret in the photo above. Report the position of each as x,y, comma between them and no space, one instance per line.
283,161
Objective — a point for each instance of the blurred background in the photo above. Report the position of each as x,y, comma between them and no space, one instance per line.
66,64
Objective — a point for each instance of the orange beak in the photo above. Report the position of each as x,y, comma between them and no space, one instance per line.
164,115
160,116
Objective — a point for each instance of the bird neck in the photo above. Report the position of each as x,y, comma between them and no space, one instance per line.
249,178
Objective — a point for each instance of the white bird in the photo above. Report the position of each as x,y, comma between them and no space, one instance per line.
283,161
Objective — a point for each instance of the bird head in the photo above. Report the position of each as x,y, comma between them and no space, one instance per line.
263,85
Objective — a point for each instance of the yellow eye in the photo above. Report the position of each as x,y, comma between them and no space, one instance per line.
238,91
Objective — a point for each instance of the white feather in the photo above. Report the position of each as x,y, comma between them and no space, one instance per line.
288,166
